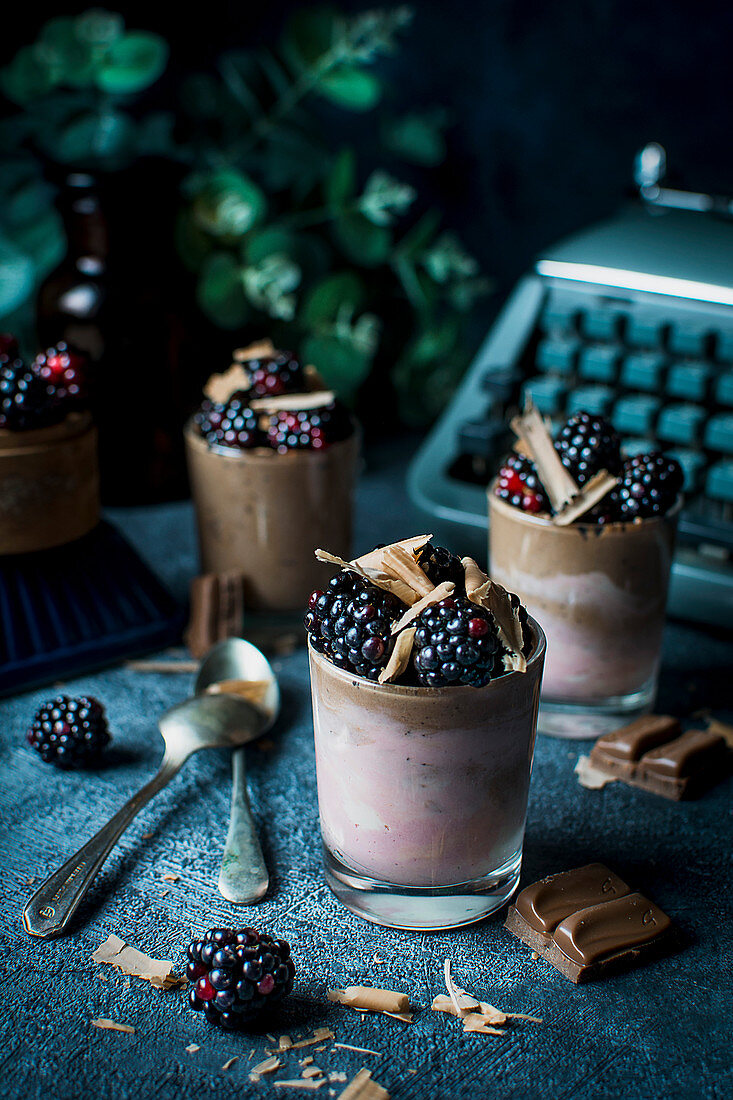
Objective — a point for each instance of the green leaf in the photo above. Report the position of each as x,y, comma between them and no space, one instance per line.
417,138
323,302
30,200
228,204
417,239
24,80
343,367
261,243
43,240
68,58
353,89
308,36
133,62
340,183
99,27
105,137
361,241
17,276
220,292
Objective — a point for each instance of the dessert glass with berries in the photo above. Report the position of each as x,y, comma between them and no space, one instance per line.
49,479
425,681
599,581
272,461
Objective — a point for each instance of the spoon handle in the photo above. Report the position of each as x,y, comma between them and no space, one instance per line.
243,879
51,908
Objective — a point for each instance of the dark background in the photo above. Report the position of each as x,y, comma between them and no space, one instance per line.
550,100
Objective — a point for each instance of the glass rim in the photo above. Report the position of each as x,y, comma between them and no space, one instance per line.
534,659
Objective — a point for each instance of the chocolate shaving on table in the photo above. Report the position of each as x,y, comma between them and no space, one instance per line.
261,349
217,610
362,1087
592,492
112,1025
593,779
477,1024
319,1034
298,1083
230,1062
220,387
441,592
367,998
293,402
115,952
556,481
268,1066
400,656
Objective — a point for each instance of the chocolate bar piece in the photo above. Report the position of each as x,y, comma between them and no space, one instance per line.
588,923
217,610
653,754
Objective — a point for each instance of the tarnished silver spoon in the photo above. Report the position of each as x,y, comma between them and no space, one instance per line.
236,666
202,722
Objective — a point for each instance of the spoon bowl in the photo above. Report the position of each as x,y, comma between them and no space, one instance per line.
237,660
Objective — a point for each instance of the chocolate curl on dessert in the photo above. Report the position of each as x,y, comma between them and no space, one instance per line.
220,387
443,590
394,579
400,656
592,492
486,593
558,484
568,500
261,349
293,402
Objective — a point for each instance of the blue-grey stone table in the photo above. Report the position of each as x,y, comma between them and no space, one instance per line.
660,1031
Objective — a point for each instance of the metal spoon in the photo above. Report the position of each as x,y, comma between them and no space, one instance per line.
202,722
243,878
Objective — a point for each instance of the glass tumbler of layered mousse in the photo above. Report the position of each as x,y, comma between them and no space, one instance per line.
49,476
272,460
425,679
586,538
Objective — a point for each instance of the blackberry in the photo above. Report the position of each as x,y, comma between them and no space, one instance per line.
649,486
518,485
238,974
233,424
314,429
456,643
587,444
272,376
441,565
26,401
69,733
350,623
62,369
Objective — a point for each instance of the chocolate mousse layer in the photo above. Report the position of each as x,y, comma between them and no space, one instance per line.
424,786
262,513
599,592
49,485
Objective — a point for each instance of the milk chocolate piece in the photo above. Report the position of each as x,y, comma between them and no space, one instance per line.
562,919
217,610
652,754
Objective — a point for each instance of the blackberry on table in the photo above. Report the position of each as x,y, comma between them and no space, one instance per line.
440,565
518,484
312,429
238,974
274,375
69,732
350,622
587,444
26,400
456,643
233,424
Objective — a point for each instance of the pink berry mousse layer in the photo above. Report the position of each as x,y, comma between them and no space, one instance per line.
424,786
599,591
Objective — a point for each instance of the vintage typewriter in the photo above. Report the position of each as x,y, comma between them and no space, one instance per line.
631,319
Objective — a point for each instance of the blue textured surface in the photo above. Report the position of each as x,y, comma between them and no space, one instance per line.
659,1031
